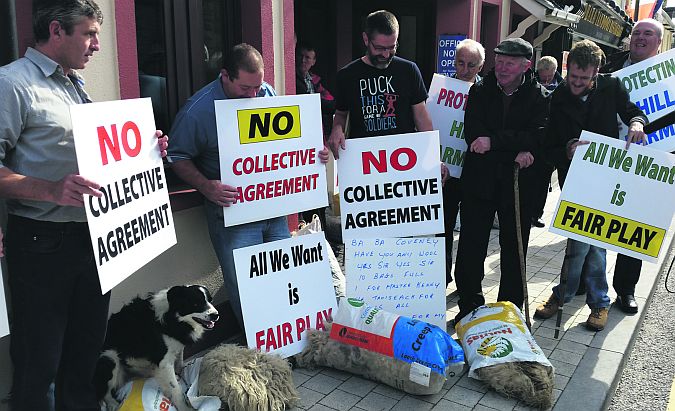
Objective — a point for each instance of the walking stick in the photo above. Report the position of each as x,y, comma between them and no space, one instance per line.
563,290
521,250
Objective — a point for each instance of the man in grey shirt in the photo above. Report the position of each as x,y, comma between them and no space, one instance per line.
59,312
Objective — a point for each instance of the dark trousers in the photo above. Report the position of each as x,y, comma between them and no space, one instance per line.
452,195
59,315
626,274
541,180
477,216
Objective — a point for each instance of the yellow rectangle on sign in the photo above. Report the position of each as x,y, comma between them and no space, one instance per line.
609,228
268,124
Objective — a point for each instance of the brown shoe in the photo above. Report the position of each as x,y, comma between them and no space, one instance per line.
548,309
598,318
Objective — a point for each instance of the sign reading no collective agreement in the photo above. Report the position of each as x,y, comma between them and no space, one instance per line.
131,223
390,186
269,152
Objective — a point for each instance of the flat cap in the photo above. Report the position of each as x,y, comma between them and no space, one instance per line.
516,47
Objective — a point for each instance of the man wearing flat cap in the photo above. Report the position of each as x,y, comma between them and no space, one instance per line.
506,114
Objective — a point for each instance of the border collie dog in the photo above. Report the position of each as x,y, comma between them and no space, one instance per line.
146,340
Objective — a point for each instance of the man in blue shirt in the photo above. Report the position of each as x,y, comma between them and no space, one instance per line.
194,157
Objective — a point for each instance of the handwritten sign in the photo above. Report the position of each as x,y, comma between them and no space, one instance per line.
651,85
405,276
390,186
4,322
285,288
132,222
269,152
617,199
446,105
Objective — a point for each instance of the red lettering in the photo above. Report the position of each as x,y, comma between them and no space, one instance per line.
441,95
130,125
113,144
379,163
396,157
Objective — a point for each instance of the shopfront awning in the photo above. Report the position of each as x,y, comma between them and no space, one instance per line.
547,12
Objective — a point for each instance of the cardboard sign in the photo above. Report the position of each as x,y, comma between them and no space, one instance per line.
447,44
285,288
651,85
4,321
390,186
269,152
405,276
132,222
446,105
617,199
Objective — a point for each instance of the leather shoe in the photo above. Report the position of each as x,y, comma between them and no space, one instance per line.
627,303
536,222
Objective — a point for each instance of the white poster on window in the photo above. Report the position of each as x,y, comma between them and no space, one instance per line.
269,153
446,105
131,223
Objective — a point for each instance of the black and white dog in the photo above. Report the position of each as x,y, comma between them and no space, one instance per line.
146,340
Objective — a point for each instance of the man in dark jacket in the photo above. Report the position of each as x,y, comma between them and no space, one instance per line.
645,40
504,125
586,101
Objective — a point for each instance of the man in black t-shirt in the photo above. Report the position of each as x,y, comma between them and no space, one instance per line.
382,94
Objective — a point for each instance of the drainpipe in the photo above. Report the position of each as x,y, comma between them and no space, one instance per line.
9,49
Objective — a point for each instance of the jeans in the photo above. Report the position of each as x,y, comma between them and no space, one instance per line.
59,314
227,239
592,261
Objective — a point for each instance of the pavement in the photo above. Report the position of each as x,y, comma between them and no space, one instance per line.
588,364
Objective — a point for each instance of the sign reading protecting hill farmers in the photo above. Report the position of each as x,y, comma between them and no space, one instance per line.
617,199
269,152
651,85
405,276
446,105
285,288
131,223
390,186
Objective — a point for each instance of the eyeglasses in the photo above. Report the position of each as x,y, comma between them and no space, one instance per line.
382,49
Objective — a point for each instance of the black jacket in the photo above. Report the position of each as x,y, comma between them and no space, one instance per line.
615,62
519,129
570,115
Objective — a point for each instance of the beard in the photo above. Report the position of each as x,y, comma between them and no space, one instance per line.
378,61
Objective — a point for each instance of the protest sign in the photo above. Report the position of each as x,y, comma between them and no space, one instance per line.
285,288
651,85
4,321
447,45
131,223
390,186
405,276
617,199
269,152
446,104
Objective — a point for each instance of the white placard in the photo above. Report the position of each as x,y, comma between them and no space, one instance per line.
405,276
651,85
285,289
132,222
446,105
617,199
4,321
390,186
269,152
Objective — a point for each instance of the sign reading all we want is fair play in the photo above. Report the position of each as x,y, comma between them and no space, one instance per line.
269,152
618,199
